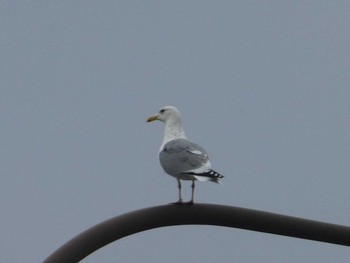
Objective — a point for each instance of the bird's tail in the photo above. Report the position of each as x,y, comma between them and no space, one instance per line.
210,175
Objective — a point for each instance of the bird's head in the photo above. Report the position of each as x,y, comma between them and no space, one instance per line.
165,114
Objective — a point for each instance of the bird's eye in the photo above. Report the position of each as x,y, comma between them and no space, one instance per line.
162,111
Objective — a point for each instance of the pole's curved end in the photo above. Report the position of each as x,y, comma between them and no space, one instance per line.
198,214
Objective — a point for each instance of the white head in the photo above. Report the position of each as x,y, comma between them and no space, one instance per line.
167,114
172,119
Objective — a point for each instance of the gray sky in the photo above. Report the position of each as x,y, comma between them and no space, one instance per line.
262,85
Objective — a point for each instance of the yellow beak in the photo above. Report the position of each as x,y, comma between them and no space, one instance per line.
152,118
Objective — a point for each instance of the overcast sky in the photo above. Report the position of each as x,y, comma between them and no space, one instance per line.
263,86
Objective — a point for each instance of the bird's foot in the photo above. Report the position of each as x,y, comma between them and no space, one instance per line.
190,203
178,203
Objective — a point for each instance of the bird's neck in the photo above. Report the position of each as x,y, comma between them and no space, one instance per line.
173,130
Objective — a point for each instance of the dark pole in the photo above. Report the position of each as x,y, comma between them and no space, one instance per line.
198,214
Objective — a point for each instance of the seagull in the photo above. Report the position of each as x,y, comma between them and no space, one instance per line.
179,157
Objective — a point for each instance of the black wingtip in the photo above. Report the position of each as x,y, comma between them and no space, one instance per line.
211,174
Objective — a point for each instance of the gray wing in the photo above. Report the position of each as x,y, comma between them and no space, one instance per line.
180,156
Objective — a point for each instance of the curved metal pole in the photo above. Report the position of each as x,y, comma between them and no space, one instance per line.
198,214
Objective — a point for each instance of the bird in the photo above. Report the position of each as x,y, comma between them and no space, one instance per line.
180,157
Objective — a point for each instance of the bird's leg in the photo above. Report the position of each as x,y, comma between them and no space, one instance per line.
192,199
179,187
